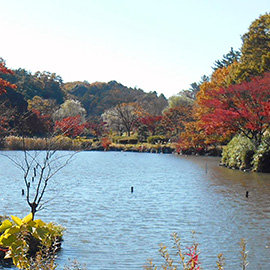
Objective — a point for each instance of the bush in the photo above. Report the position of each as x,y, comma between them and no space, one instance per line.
125,139
238,153
157,139
261,159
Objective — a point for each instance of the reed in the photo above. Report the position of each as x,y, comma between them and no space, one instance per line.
53,143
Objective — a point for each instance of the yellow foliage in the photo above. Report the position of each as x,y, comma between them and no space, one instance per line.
21,236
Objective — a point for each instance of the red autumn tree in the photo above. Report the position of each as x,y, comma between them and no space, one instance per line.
219,79
95,128
70,126
243,108
44,121
151,122
4,125
4,84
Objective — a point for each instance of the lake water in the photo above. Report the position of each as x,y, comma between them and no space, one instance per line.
108,227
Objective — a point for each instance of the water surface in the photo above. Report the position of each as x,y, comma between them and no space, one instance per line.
108,227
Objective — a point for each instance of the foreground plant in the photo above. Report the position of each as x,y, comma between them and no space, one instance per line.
74,265
220,262
243,252
30,242
189,260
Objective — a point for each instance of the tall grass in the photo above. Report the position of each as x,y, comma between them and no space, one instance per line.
66,143
54,143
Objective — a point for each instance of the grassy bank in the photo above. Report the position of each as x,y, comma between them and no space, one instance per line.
82,144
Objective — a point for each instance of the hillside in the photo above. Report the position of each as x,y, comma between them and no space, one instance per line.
98,97
95,97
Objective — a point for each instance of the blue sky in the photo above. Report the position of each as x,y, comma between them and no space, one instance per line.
161,46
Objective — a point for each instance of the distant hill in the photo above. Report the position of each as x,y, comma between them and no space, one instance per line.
98,97
95,97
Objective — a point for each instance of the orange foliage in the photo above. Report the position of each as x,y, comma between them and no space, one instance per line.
175,119
219,79
105,142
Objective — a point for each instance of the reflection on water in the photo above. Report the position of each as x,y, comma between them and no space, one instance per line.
108,227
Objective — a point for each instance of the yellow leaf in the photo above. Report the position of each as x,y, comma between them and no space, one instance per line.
1,238
27,218
17,220
5,225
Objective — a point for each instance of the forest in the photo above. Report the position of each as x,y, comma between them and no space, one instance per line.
226,113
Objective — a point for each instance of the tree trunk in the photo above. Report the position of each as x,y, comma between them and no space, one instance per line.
33,206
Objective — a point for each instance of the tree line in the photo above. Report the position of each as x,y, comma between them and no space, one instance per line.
41,105
233,100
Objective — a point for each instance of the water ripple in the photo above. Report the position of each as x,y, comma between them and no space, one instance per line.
110,228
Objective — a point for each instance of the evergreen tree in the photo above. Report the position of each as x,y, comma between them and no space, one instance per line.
227,59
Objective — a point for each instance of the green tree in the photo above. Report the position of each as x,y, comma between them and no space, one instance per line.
227,59
44,84
180,100
194,88
98,97
255,51
51,86
27,84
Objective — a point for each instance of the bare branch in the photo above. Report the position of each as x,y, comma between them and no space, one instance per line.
38,168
